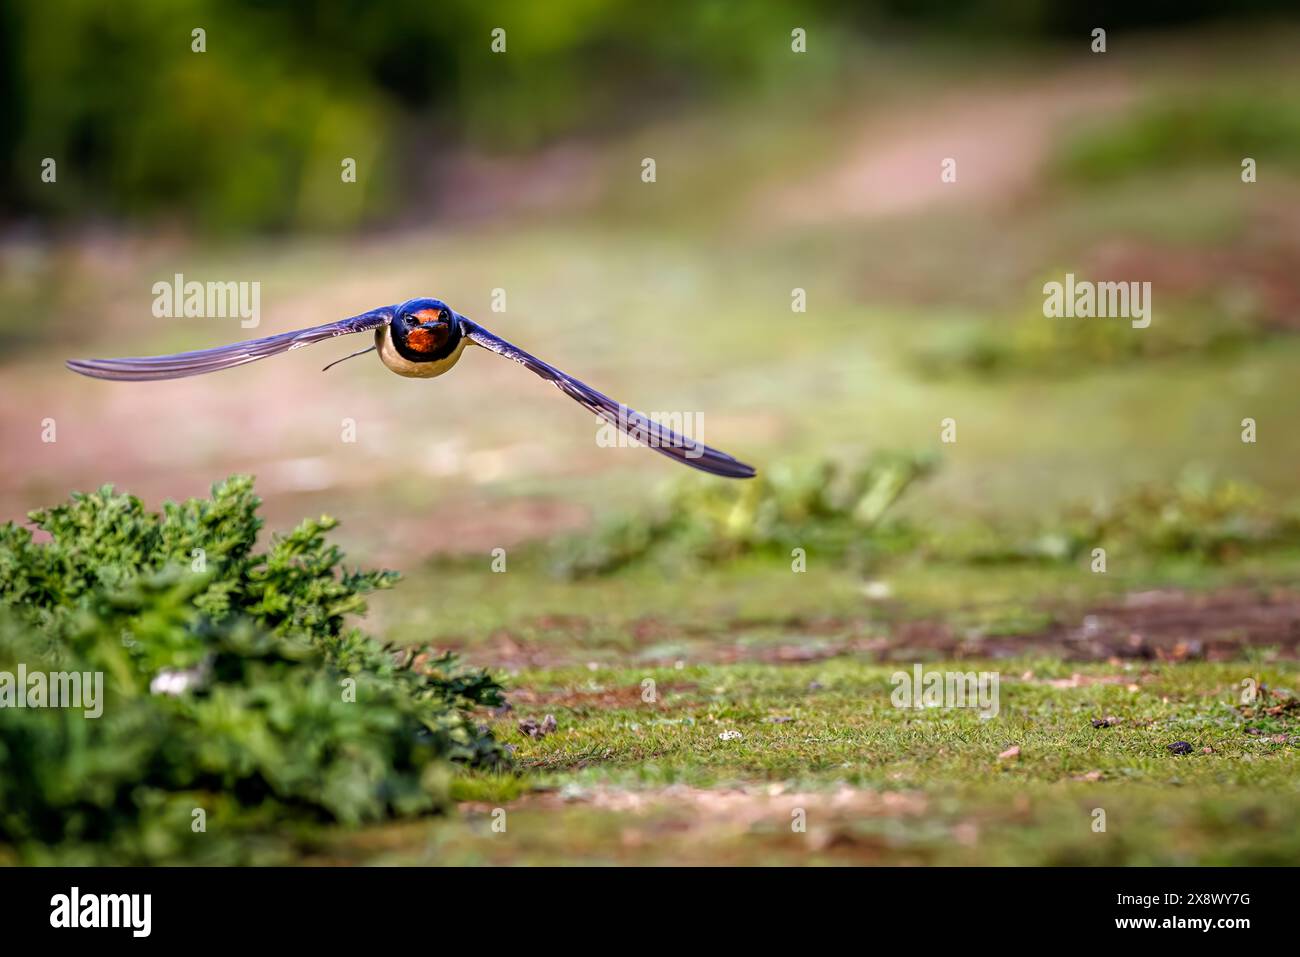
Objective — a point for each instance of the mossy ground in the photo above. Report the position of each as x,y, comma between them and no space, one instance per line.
801,666
677,296
627,780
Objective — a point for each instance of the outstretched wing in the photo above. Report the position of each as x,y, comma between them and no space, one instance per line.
629,421
225,357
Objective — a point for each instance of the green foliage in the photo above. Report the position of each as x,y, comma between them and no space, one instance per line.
1185,130
250,133
290,715
1035,345
822,507
830,510
1195,517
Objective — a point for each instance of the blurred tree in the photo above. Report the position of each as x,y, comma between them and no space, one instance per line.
250,134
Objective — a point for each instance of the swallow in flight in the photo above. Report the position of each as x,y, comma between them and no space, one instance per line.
421,338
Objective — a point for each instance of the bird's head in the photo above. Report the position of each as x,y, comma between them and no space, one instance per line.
425,329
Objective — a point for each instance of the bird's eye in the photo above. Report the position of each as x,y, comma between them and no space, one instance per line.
445,315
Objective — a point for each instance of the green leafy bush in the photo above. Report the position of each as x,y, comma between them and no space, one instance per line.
1185,129
1034,345
849,513
1194,516
822,507
232,685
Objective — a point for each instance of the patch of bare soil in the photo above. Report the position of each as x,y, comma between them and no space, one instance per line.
1001,139
687,825
691,816
1167,625
743,806
1173,625
606,699
1258,272
475,526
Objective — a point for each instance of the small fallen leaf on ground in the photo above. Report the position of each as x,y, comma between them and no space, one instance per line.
1179,747
1107,722
1010,753
1090,776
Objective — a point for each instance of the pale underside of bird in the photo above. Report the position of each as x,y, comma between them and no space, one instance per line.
421,338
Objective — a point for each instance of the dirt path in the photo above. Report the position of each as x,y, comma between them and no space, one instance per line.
1000,137
1167,625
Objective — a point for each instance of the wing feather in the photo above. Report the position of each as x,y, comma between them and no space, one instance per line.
225,357
629,421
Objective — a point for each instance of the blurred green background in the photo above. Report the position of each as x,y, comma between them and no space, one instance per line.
248,134
776,171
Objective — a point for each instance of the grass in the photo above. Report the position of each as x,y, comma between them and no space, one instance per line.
649,612
623,779
843,729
